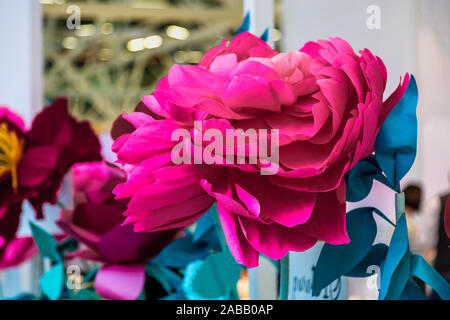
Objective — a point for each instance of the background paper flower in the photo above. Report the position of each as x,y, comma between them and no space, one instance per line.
33,163
325,100
96,221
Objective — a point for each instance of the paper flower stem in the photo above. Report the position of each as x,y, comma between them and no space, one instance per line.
399,205
284,277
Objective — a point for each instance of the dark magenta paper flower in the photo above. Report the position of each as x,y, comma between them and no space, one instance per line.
327,104
96,221
33,163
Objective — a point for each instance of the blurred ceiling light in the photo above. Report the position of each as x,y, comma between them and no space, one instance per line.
179,56
177,32
135,45
187,56
152,42
86,30
195,56
70,43
276,35
107,28
104,54
155,4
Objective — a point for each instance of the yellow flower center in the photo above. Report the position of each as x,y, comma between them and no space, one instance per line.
11,147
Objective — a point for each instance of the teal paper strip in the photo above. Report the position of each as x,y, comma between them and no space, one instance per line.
284,278
422,270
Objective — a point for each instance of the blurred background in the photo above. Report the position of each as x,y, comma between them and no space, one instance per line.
104,55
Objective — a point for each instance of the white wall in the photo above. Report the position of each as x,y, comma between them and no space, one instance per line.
21,59
433,64
21,80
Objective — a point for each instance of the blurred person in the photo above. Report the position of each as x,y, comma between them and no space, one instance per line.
413,197
433,236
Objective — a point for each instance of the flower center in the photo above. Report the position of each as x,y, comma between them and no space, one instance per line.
11,147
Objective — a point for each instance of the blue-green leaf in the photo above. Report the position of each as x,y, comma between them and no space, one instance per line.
375,257
52,281
47,245
213,278
422,270
336,260
181,252
396,143
412,291
398,248
359,180
265,35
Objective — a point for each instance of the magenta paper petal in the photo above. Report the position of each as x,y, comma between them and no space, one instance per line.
97,218
85,236
327,222
122,245
86,254
284,206
246,45
242,251
35,165
17,251
275,240
12,118
120,282
245,90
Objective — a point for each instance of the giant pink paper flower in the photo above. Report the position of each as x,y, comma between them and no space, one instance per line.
96,221
325,100
32,166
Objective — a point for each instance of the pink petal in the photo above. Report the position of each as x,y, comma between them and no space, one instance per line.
274,240
327,222
242,251
250,92
120,282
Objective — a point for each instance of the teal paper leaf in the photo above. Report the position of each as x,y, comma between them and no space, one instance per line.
179,295
398,248
169,280
205,223
213,278
375,257
84,294
181,252
422,270
396,143
336,260
245,26
412,291
265,35
67,246
359,180
52,281
399,278
47,245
